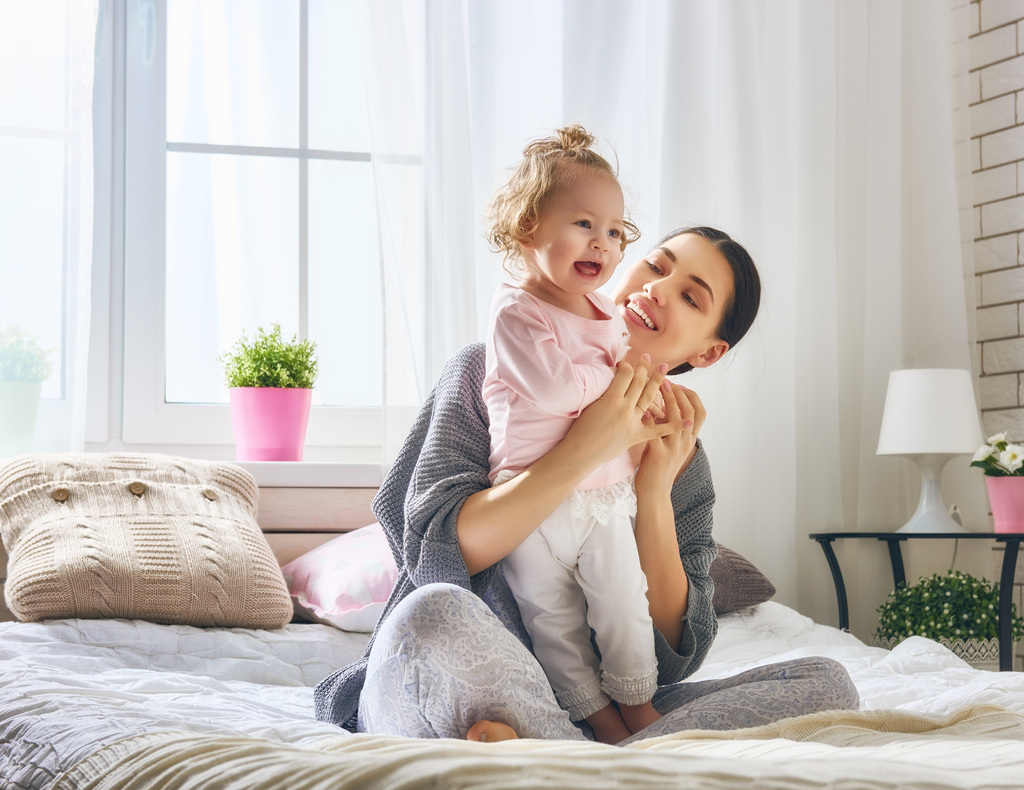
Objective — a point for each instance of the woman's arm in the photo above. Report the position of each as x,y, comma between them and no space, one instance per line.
667,584
663,462
693,501
495,521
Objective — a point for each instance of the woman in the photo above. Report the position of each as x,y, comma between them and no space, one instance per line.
450,657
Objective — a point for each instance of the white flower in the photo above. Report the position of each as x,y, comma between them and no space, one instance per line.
1012,458
983,453
997,438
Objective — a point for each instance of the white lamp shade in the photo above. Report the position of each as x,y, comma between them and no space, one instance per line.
929,411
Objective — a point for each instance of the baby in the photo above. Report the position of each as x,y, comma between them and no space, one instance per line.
552,348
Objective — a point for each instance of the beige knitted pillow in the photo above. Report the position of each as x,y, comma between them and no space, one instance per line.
148,537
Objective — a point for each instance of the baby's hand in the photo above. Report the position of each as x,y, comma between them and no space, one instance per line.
657,408
619,419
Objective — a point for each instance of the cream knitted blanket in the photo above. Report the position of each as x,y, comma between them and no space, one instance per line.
982,747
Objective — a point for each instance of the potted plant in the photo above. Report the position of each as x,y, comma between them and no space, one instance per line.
270,380
1003,464
24,366
957,610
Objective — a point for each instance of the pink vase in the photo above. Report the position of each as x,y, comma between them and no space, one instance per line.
269,422
1006,495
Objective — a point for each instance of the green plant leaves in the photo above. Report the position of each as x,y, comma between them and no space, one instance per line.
956,605
21,357
269,360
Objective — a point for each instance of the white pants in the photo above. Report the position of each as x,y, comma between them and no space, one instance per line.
579,570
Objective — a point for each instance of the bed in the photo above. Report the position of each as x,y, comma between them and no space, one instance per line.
120,702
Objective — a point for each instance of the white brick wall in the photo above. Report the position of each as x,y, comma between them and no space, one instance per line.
997,134
997,130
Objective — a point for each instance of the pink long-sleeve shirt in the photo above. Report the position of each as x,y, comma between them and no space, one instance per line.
544,366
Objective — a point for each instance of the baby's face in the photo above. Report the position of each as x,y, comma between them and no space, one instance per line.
577,242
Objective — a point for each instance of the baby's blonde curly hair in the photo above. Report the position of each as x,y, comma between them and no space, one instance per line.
548,162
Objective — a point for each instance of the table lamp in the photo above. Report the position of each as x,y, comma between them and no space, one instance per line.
930,416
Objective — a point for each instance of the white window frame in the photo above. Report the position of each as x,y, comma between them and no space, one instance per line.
147,418
107,113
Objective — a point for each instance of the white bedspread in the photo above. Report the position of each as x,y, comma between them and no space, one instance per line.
68,688
68,685
918,675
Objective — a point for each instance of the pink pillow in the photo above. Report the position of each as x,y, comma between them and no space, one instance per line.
344,582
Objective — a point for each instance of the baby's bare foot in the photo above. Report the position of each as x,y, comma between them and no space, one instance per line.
491,731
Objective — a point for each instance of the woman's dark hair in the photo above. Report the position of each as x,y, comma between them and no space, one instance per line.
741,310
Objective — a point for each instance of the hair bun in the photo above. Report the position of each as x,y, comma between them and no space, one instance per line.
575,137
572,139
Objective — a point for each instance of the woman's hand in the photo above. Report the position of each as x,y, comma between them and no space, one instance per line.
622,417
665,457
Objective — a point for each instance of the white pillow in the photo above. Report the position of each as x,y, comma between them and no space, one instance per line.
345,582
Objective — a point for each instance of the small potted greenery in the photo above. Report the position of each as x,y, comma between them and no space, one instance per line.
1002,463
24,366
270,379
957,609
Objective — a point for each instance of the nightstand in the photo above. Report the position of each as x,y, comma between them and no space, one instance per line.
894,539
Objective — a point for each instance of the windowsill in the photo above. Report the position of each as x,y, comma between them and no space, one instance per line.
314,474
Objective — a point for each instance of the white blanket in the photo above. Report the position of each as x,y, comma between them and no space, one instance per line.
67,686
70,688
918,675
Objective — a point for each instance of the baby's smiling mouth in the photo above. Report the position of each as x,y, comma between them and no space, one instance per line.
588,268
635,308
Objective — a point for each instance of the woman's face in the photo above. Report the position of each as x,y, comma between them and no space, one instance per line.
673,302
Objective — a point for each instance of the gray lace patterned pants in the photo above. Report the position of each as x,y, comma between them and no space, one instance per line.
442,661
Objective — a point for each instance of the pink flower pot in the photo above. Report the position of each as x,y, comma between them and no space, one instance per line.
1006,495
269,422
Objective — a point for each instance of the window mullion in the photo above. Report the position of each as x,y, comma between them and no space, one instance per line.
303,169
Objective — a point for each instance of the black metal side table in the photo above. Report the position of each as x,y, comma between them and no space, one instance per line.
894,539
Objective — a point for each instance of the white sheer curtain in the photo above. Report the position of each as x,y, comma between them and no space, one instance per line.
46,213
820,133
836,164
397,117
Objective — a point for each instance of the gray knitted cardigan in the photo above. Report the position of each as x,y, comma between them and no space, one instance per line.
443,461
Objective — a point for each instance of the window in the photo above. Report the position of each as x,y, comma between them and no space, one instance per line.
249,201
46,204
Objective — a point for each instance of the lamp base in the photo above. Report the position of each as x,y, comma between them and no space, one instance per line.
932,522
931,514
